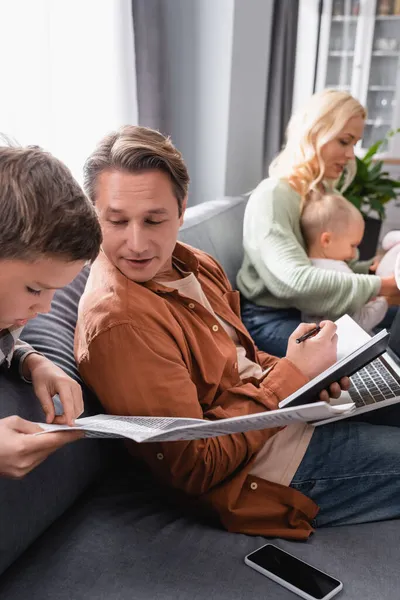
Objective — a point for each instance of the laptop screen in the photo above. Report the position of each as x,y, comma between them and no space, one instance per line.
394,340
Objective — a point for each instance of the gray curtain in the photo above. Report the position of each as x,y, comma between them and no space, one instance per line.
149,42
281,77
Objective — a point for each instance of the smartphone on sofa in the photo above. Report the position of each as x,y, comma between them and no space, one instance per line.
292,573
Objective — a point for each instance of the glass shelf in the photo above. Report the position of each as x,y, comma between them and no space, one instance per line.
373,134
341,18
385,53
359,50
340,53
382,88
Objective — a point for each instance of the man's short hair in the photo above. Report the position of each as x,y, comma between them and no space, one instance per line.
132,149
43,210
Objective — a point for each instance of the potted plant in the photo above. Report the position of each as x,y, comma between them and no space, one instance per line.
370,191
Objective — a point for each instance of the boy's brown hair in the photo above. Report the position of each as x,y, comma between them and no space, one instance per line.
43,210
133,149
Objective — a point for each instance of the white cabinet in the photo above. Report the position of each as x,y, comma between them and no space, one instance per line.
357,48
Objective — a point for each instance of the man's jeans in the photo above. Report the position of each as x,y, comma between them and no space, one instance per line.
270,328
352,469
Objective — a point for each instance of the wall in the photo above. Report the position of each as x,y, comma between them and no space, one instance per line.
66,81
216,61
248,93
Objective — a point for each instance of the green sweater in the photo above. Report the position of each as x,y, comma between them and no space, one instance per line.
276,270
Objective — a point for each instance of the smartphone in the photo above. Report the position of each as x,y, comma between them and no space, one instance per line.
294,574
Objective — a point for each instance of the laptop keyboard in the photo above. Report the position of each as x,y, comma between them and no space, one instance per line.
373,383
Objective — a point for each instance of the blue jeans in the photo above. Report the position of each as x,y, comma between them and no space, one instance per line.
351,469
388,319
270,328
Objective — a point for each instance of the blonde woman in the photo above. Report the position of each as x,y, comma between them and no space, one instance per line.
277,280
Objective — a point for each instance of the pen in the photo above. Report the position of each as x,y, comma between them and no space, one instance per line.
309,334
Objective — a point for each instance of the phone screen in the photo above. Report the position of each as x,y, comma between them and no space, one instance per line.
294,571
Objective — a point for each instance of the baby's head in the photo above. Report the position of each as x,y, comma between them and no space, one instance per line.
332,227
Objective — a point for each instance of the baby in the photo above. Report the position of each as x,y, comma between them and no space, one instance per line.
333,228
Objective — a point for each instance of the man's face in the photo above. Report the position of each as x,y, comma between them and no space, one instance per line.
139,217
27,288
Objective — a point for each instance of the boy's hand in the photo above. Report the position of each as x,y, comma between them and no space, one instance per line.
20,451
48,380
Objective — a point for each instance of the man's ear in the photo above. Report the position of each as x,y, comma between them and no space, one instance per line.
184,205
326,238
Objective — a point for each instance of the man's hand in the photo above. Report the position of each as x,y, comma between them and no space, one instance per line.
316,354
335,390
20,452
48,380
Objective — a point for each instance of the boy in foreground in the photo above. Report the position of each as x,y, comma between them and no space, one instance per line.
48,232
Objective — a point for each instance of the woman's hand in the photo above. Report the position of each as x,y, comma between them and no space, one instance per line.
48,380
389,287
376,260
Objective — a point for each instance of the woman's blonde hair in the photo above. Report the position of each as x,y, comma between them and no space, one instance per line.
309,129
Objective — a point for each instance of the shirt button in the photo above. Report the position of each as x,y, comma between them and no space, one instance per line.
253,485
215,327
160,456
191,305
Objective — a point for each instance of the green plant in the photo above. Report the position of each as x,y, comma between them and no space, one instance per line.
372,187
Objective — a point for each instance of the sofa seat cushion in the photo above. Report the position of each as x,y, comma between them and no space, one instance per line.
121,540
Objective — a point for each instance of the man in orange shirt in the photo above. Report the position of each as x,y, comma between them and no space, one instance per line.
159,334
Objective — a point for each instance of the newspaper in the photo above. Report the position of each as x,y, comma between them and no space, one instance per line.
352,342
164,429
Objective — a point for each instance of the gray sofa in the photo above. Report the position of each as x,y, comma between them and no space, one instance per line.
90,524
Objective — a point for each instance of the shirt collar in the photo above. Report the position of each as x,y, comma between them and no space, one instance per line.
183,255
187,261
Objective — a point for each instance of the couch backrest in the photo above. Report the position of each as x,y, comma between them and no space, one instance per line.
216,227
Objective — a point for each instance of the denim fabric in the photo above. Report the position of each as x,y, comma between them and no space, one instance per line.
352,469
387,320
270,328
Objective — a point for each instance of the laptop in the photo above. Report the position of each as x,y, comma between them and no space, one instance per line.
377,384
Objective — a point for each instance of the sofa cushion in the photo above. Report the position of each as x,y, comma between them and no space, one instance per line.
29,506
53,333
217,228
122,541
